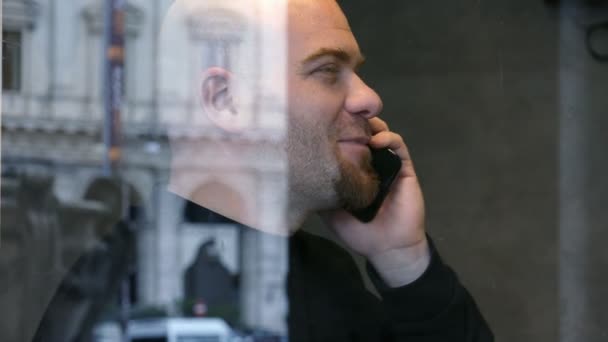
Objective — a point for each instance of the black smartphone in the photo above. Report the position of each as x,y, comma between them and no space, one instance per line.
387,165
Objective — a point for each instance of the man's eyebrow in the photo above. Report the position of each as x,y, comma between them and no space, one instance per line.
339,54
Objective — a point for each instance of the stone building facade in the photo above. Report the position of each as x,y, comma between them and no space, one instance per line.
52,122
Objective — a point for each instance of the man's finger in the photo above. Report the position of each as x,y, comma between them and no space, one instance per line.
393,141
378,125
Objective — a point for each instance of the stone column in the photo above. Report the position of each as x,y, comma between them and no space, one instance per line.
168,275
265,260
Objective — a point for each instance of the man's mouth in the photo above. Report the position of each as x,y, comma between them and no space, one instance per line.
362,140
354,147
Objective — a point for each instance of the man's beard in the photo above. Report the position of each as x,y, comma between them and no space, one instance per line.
323,177
358,185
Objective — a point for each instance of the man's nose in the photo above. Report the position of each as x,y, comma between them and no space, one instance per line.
362,100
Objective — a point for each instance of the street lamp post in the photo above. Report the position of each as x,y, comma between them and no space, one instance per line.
113,96
114,81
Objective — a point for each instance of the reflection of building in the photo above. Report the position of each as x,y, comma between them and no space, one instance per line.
52,112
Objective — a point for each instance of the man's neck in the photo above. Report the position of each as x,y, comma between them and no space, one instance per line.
283,220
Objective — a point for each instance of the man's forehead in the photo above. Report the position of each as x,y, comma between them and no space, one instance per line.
274,16
308,15
345,56
236,4
203,8
303,14
319,28
311,26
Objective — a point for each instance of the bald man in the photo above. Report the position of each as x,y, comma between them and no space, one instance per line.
332,123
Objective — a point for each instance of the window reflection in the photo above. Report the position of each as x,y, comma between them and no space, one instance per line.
484,97
86,254
11,60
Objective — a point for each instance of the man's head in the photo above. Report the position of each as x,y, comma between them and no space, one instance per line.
329,109
327,105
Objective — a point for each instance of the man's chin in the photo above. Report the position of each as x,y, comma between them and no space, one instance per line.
357,187
354,153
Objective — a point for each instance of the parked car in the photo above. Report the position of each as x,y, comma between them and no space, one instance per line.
167,330
179,330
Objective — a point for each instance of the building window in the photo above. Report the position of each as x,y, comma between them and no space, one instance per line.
11,60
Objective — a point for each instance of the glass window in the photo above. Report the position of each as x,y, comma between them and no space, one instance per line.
11,60
149,339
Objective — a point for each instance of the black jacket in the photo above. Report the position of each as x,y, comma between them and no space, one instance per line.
328,301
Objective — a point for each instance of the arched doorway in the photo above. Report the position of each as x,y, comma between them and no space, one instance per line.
211,253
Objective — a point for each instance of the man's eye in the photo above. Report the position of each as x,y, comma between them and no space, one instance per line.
328,69
329,73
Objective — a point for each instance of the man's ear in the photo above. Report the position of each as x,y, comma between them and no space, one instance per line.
217,99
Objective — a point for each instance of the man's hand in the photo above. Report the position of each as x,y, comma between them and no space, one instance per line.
394,241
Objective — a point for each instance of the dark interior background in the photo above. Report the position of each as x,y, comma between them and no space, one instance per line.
477,90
